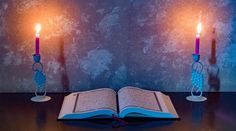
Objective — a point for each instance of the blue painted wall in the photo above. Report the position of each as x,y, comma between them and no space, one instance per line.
88,44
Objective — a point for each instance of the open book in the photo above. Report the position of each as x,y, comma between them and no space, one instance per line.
127,102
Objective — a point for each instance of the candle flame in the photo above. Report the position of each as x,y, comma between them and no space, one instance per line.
38,28
199,28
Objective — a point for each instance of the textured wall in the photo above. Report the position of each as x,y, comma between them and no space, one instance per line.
87,44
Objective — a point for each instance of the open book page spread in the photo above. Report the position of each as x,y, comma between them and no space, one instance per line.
132,102
103,98
135,97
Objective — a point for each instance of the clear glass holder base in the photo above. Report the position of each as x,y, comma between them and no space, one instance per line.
196,98
40,98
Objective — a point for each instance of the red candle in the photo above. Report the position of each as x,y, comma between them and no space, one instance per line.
38,28
197,45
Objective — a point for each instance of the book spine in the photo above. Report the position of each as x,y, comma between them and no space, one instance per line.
117,104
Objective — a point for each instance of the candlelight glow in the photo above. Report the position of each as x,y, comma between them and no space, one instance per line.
38,28
199,28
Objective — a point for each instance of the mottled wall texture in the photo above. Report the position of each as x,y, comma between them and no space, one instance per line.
88,44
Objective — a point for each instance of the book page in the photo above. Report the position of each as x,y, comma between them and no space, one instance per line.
136,97
104,98
169,105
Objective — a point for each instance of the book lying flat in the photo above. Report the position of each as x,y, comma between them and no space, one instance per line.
127,102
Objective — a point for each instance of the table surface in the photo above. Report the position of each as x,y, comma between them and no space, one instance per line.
18,113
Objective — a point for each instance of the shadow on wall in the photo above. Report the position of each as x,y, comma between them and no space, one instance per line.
64,76
213,69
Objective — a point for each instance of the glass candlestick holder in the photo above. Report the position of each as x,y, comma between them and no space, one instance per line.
197,80
40,81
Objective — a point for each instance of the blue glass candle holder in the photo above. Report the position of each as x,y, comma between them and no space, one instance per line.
40,81
197,80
